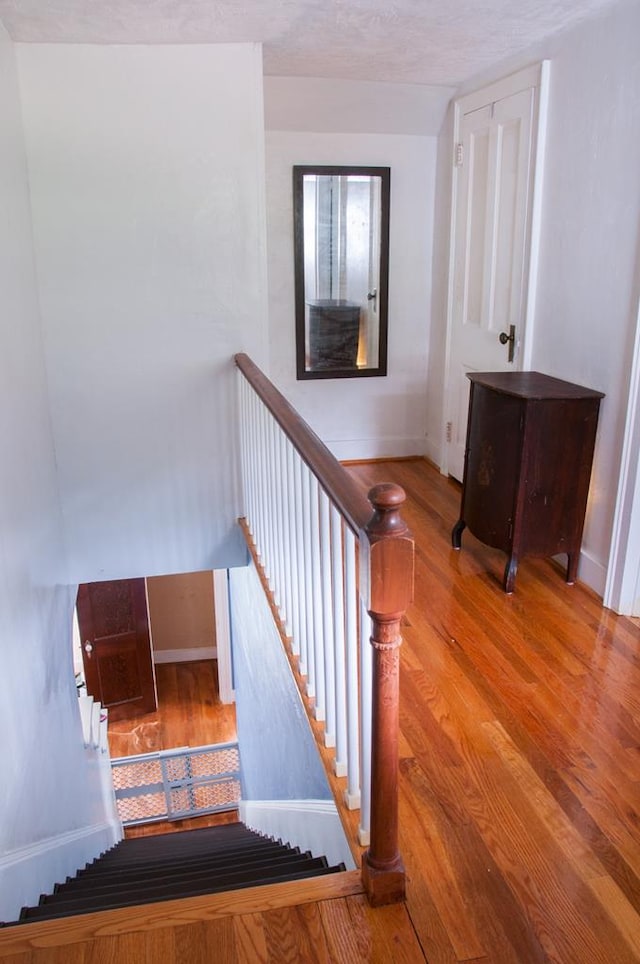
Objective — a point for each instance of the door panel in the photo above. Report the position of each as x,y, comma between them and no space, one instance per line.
116,646
491,249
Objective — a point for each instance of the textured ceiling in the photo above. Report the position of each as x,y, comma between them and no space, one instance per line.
403,41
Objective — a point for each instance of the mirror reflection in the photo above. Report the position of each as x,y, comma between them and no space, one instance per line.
341,226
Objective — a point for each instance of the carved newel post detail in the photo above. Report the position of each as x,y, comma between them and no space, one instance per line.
391,591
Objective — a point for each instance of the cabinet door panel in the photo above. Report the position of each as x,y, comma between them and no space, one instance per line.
493,466
557,468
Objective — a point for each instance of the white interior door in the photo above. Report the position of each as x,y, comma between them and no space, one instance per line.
491,246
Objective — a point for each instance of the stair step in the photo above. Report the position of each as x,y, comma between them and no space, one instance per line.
53,911
130,850
71,908
220,833
182,864
177,860
168,865
213,869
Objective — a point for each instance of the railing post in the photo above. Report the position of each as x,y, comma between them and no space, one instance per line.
390,592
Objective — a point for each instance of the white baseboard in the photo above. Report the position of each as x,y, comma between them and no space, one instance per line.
346,450
184,655
592,572
29,871
432,451
309,824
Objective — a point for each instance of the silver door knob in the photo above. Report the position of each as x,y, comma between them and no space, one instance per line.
88,648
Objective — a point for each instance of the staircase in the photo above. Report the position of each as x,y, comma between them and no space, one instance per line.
176,865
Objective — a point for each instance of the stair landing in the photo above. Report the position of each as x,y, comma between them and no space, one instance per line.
239,923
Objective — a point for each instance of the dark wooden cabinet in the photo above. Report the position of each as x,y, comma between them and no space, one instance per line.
527,467
334,330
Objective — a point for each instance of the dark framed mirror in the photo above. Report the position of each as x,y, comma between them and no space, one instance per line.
341,252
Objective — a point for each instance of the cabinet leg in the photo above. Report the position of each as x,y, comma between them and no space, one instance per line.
510,570
456,533
572,567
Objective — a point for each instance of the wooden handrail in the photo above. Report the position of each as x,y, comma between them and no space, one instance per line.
336,482
388,549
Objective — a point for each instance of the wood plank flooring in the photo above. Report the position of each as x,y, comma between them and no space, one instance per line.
189,713
519,783
520,752
326,919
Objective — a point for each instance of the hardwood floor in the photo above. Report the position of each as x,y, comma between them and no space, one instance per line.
520,752
189,713
326,919
519,782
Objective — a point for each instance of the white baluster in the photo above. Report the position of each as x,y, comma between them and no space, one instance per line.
248,451
263,491
276,525
301,577
252,411
337,584
318,631
327,621
366,668
294,573
272,514
308,581
352,794
286,531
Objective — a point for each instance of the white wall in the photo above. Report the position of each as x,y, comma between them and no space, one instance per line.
280,759
589,275
353,106
146,171
49,786
360,417
589,278
440,291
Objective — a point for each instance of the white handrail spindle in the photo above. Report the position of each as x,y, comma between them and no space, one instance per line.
352,794
366,700
252,409
286,533
294,573
262,541
278,528
271,521
301,575
318,628
337,584
327,620
308,580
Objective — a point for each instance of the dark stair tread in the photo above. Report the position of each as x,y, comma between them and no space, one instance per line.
188,870
104,868
175,865
119,858
51,911
185,838
218,830
176,887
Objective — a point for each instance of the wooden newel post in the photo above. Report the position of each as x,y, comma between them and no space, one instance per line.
391,591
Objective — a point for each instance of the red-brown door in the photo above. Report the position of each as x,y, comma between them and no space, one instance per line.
116,646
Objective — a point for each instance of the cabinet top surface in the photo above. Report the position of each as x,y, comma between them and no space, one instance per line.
531,385
334,303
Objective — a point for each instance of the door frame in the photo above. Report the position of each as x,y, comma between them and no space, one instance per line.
622,586
537,76
223,635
